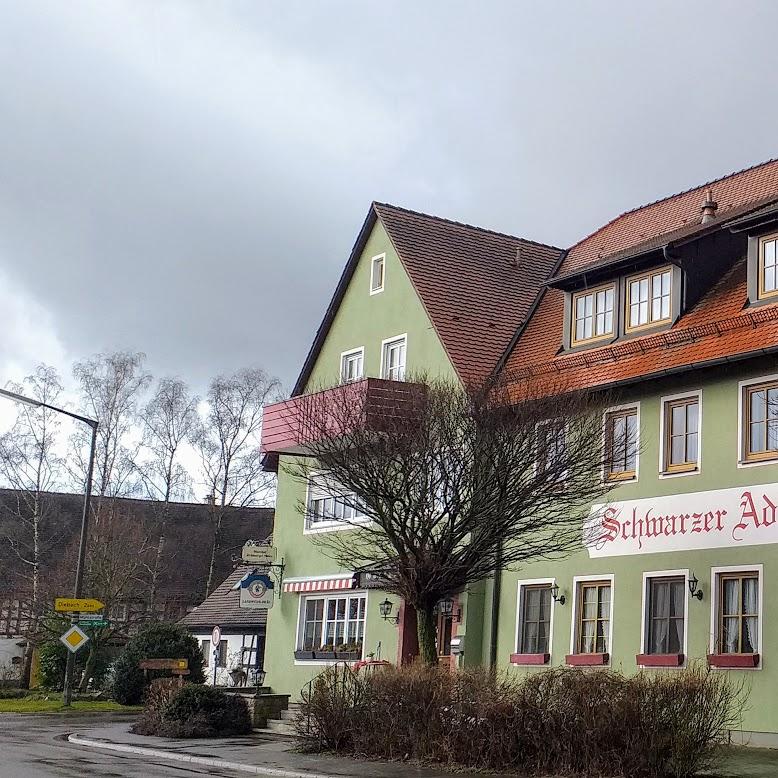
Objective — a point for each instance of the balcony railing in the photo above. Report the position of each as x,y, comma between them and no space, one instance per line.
292,426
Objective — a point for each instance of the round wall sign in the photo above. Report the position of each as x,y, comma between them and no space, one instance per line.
216,637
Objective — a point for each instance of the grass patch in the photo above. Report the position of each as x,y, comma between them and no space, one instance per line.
54,705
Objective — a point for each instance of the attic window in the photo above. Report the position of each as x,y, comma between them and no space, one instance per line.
377,271
649,299
768,266
593,314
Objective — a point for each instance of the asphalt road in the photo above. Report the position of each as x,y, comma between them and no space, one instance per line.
35,747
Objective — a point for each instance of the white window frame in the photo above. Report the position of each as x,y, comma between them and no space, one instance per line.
629,329
647,576
344,355
377,289
662,447
579,579
593,292
741,409
325,526
616,409
522,584
334,594
391,341
714,608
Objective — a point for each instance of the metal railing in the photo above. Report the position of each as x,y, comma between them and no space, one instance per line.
339,672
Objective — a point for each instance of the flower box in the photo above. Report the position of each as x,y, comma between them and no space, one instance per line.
304,655
348,656
659,660
530,659
733,660
326,655
587,660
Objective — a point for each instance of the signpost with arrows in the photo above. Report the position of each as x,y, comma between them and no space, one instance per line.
84,613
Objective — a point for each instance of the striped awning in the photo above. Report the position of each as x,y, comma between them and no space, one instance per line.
319,584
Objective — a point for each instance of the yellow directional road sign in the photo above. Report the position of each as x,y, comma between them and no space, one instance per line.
74,638
72,605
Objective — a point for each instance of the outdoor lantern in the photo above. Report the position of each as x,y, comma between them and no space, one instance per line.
385,609
693,590
556,596
446,609
261,674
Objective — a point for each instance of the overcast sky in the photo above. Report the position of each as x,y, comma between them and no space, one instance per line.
187,178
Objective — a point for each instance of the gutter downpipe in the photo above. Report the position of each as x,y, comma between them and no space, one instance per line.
496,591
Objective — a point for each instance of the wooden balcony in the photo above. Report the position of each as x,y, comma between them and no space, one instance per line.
294,425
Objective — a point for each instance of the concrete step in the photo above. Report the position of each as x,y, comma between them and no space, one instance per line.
289,715
280,727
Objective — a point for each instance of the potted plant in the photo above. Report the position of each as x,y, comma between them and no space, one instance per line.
349,651
327,651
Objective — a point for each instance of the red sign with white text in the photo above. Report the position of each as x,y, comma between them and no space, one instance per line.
720,518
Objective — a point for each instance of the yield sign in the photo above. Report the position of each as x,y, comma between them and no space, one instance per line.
74,638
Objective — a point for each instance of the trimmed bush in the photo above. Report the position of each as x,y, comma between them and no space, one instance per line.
192,711
560,721
157,641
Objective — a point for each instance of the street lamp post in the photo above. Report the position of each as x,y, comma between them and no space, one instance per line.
79,583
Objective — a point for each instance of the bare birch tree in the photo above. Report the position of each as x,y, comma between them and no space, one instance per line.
31,467
169,421
443,485
228,444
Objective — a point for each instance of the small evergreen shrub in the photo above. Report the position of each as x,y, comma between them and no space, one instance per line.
157,641
193,712
566,722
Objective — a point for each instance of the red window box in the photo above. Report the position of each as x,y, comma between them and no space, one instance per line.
733,660
530,659
659,660
587,660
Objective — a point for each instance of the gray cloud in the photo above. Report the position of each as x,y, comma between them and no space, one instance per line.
188,178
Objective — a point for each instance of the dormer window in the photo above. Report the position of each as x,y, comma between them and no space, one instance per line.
768,266
593,314
649,299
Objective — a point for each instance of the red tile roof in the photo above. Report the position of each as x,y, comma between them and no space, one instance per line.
671,213
469,281
718,327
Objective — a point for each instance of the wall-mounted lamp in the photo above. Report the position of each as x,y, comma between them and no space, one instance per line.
693,590
446,609
385,609
556,596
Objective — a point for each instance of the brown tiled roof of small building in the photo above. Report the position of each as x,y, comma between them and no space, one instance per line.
718,327
222,607
467,278
475,291
671,213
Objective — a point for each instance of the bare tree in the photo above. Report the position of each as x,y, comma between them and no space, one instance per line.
30,466
111,386
444,485
228,444
169,421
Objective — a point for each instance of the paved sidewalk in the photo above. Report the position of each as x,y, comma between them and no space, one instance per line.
255,754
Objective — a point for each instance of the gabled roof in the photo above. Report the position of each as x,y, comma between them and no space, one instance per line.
222,607
467,278
671,213
719,327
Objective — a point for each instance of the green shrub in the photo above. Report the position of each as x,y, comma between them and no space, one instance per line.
559,721
7,693
193,711
53,656
157,641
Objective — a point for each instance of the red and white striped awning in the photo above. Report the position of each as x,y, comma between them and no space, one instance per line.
319,584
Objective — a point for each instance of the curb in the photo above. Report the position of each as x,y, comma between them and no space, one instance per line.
198,760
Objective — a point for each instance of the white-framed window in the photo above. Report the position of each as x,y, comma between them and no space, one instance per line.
377,273
736,615
592,317
592,625
680,425
332,622
768,266
665,612
622,439
649,299
393,352
758,421
534,616
352,365
328,506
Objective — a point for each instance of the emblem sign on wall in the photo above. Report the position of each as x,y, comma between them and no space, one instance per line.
720,518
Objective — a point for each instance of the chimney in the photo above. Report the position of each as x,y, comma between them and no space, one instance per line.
709,207
517,261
